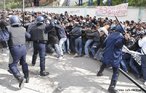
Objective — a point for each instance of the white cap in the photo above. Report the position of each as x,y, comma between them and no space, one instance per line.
104,30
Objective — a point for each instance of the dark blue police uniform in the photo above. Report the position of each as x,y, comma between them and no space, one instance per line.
39,36
17,48
113,56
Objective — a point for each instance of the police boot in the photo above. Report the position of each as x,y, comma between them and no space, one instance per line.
9,70
101,70
21,81
111,88
44,73
34,60
26,76
17,75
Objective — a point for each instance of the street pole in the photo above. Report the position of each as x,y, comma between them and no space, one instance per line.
23,5
23,11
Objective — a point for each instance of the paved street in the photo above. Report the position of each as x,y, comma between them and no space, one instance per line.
71,75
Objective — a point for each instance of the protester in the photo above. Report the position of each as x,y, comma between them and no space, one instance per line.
142,44
90,29
80,2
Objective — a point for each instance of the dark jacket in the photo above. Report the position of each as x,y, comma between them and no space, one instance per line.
76,32
89,34
93,35
52,35
60,31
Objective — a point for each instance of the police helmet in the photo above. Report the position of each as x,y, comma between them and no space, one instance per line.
40,19
14,20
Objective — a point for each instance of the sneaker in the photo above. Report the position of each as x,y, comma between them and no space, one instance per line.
145,83
86,56
44,73
60,58
68,52
75,55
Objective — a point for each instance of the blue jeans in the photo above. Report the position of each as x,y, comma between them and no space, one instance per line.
90,2
67,2
61,42
57,49
94,48
78,46
123,65
109,2
87,46
98,2
134,67
66,46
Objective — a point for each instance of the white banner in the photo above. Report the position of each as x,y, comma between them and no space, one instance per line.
118,10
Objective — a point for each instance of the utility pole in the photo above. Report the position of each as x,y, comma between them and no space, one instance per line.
23,10
23,5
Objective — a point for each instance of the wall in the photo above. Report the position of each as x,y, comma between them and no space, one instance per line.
133,13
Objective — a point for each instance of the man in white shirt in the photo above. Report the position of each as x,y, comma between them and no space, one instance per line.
142,44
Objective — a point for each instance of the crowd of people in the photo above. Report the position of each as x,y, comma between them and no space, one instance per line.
80,36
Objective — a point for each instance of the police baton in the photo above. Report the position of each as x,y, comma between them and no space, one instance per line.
125,74
119,24
132,80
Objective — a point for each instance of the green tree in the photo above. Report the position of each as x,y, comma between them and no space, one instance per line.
18,3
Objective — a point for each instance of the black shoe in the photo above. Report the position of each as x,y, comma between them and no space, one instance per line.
99,74
112,90
21,83
9,71
27,80
44,73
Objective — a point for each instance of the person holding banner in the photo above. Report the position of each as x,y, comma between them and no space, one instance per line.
90,2
109,2
80,2
98,2
113,54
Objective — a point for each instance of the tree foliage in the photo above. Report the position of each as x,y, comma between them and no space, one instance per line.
18,3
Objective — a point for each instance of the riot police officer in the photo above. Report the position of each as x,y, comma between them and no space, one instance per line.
113,55
17,49
39,36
